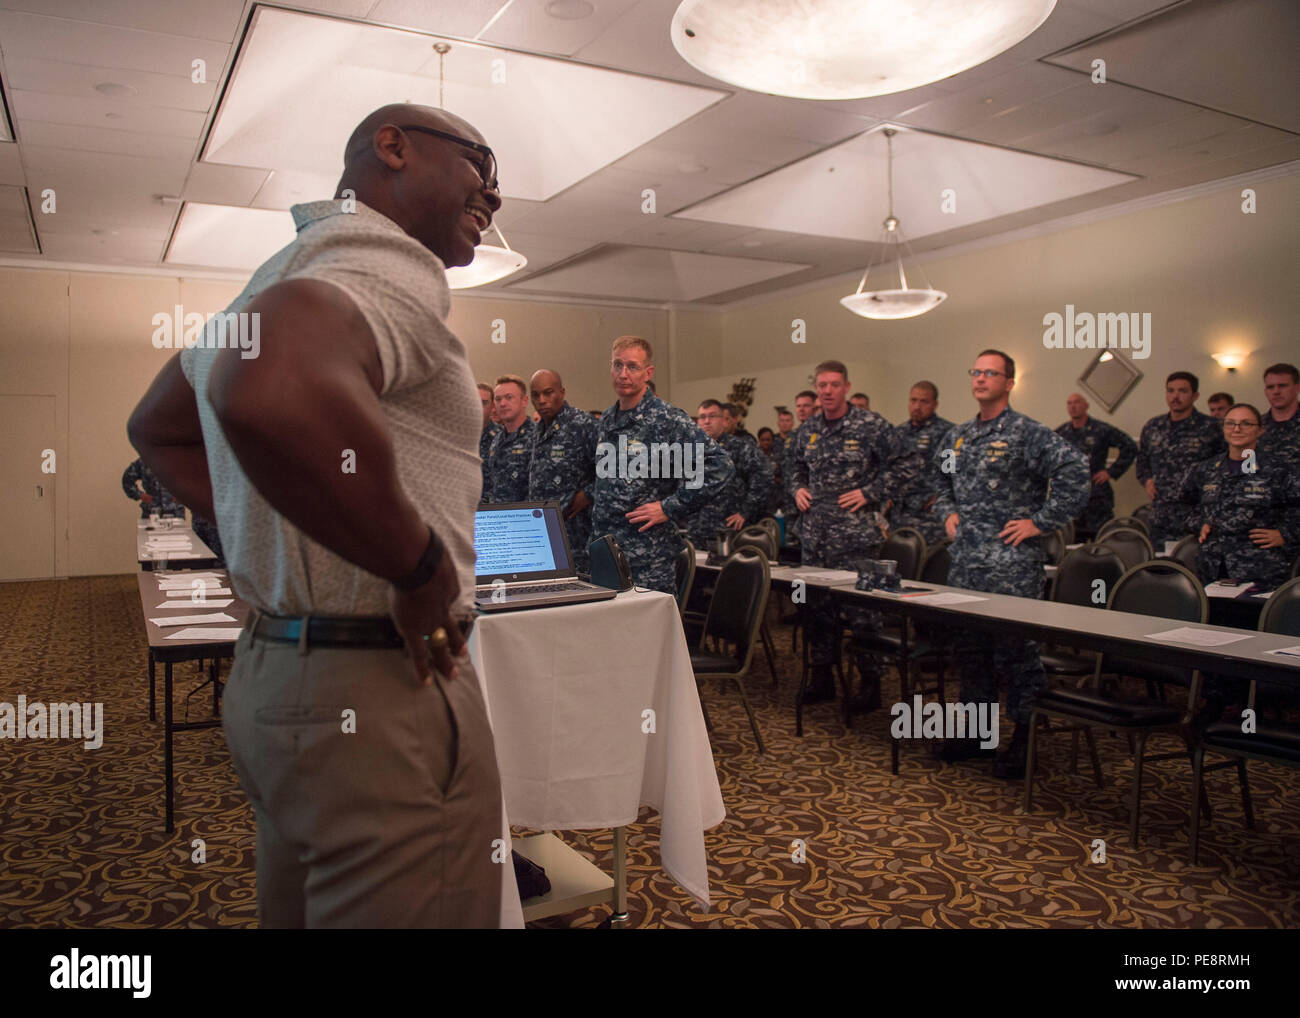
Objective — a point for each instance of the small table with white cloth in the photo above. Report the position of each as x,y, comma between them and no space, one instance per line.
569,692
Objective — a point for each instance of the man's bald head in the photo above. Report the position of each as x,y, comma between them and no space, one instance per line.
430,186
1077,407
547,392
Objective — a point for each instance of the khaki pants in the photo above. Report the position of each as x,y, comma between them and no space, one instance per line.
390,825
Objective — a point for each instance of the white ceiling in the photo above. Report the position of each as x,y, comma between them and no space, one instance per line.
1198,91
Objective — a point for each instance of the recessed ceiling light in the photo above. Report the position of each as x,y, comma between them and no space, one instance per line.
847,49
570,10
114,89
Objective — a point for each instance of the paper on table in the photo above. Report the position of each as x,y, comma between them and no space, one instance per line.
187,620
166,553
1221,590
1198,637
200,633
187,575
198,604
944,598
826,575
207,591
1289,652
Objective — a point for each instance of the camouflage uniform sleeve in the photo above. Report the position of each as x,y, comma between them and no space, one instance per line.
940,480
1053,457
1289,527
718,470
758,485
129,478
797,475
1127,452
900,466
1189,494
1144,452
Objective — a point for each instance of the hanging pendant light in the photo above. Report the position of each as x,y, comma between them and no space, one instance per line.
490,262
904,302
847,49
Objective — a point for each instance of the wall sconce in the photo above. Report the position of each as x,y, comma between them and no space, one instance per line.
1231,361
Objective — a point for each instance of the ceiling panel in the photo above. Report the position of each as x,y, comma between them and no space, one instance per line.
551,122
462,18
651,274
1235,56
210,19
225,185
16,236
976,104
71,172
78,42
125,245
104,139
639,41
221,237
526,24
58,78
841,192
115,114
11,165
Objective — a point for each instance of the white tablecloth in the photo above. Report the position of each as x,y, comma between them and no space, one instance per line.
567,689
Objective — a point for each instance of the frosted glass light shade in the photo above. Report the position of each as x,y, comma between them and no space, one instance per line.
893,303
847,49
490,264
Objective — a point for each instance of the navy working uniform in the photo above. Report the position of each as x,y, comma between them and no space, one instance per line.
787,474
1280,440
626,456
485,447
1167,449
859,450
748,492
989,473
563,464
912,509
1095,440
164,502
506,476
1234,500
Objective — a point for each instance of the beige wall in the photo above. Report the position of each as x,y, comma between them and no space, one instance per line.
1210,276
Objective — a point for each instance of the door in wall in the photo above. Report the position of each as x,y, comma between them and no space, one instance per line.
27,430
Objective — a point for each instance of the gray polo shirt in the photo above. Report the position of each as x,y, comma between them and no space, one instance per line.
428,398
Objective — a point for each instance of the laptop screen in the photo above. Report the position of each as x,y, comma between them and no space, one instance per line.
520,541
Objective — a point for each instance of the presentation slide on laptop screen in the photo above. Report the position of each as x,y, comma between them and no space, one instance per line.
509,541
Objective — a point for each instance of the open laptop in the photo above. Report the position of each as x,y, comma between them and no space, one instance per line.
524,559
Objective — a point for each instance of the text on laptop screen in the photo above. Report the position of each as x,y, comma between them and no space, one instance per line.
518,541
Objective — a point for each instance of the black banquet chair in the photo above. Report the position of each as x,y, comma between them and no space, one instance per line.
1118,522
1132,546
1164,589
1187,551
1274,741
731,627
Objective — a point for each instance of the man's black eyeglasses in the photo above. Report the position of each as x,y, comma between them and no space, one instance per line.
487,168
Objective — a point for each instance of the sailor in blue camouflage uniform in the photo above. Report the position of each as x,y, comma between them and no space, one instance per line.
1169,445
642,512
805,406
1004,480
506,474
563,467
924,431
156,498
848,463
1245,507
771,448
1281,436
490,428
745,496
1095,439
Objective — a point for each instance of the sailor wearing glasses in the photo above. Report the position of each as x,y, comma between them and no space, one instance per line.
1003,480
1247,514
654,467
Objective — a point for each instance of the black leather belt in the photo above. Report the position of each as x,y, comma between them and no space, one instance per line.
375,633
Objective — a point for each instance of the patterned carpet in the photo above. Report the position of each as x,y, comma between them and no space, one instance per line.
82,843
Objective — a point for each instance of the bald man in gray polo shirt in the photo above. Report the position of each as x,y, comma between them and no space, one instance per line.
341,464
